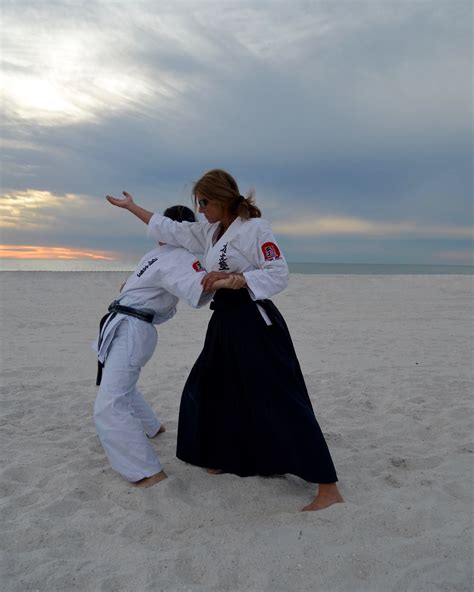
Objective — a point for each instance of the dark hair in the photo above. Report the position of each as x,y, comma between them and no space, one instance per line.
180,214
219,186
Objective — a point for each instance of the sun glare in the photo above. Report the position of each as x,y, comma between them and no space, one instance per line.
69,78
43,95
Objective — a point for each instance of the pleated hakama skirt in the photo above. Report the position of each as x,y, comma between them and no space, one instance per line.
245,408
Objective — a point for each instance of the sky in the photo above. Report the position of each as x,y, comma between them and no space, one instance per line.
351,120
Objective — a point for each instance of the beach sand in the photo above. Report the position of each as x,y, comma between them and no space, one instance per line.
387,360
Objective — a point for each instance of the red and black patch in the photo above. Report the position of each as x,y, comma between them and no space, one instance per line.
197,266
271,252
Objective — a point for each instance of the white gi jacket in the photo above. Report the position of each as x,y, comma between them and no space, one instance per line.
247,246
163,276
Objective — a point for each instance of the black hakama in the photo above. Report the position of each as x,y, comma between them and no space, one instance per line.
245,408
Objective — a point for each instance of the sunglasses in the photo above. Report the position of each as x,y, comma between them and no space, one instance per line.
203,202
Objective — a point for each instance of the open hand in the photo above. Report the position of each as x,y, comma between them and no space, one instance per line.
126,202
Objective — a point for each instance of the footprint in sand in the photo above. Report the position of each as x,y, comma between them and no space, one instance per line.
392,481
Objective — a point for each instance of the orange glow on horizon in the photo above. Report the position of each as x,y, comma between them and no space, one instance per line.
38,252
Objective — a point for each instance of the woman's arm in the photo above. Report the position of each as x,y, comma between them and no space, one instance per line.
181,275
233,281
190,235
270,275
128,204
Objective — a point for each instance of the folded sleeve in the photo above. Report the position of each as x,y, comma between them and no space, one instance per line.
190,235
184,280
271,273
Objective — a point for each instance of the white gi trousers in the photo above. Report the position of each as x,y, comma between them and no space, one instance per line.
122,416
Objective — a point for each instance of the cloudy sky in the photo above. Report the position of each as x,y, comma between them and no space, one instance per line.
351,119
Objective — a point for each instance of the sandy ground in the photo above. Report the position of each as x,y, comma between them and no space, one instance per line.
388,364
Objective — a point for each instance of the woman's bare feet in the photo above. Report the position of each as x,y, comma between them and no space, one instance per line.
149,481
160,431
214,471
328,494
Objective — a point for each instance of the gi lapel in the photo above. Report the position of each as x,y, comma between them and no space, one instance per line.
216,256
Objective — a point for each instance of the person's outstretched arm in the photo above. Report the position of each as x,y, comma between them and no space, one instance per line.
128,204
190,235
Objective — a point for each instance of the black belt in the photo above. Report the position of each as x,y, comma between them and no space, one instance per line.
143,315
115,308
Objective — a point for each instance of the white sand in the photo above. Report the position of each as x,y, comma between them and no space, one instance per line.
387,362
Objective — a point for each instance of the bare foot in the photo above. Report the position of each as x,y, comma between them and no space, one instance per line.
328,494
160,431
214,471
149,481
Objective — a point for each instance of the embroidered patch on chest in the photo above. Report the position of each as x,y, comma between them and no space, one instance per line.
197,266
271,252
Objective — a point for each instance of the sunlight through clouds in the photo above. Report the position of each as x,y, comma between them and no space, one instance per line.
33,208
65,76
339,226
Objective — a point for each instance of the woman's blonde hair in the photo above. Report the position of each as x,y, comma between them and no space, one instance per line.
218,185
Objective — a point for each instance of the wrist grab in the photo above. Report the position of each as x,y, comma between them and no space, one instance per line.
238,281
234,281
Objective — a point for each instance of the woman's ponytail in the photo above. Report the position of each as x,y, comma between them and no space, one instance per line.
246,207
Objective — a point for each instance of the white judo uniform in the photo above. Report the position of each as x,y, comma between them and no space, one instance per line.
247,246
124,420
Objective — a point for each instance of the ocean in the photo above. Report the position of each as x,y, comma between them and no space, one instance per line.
305,268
